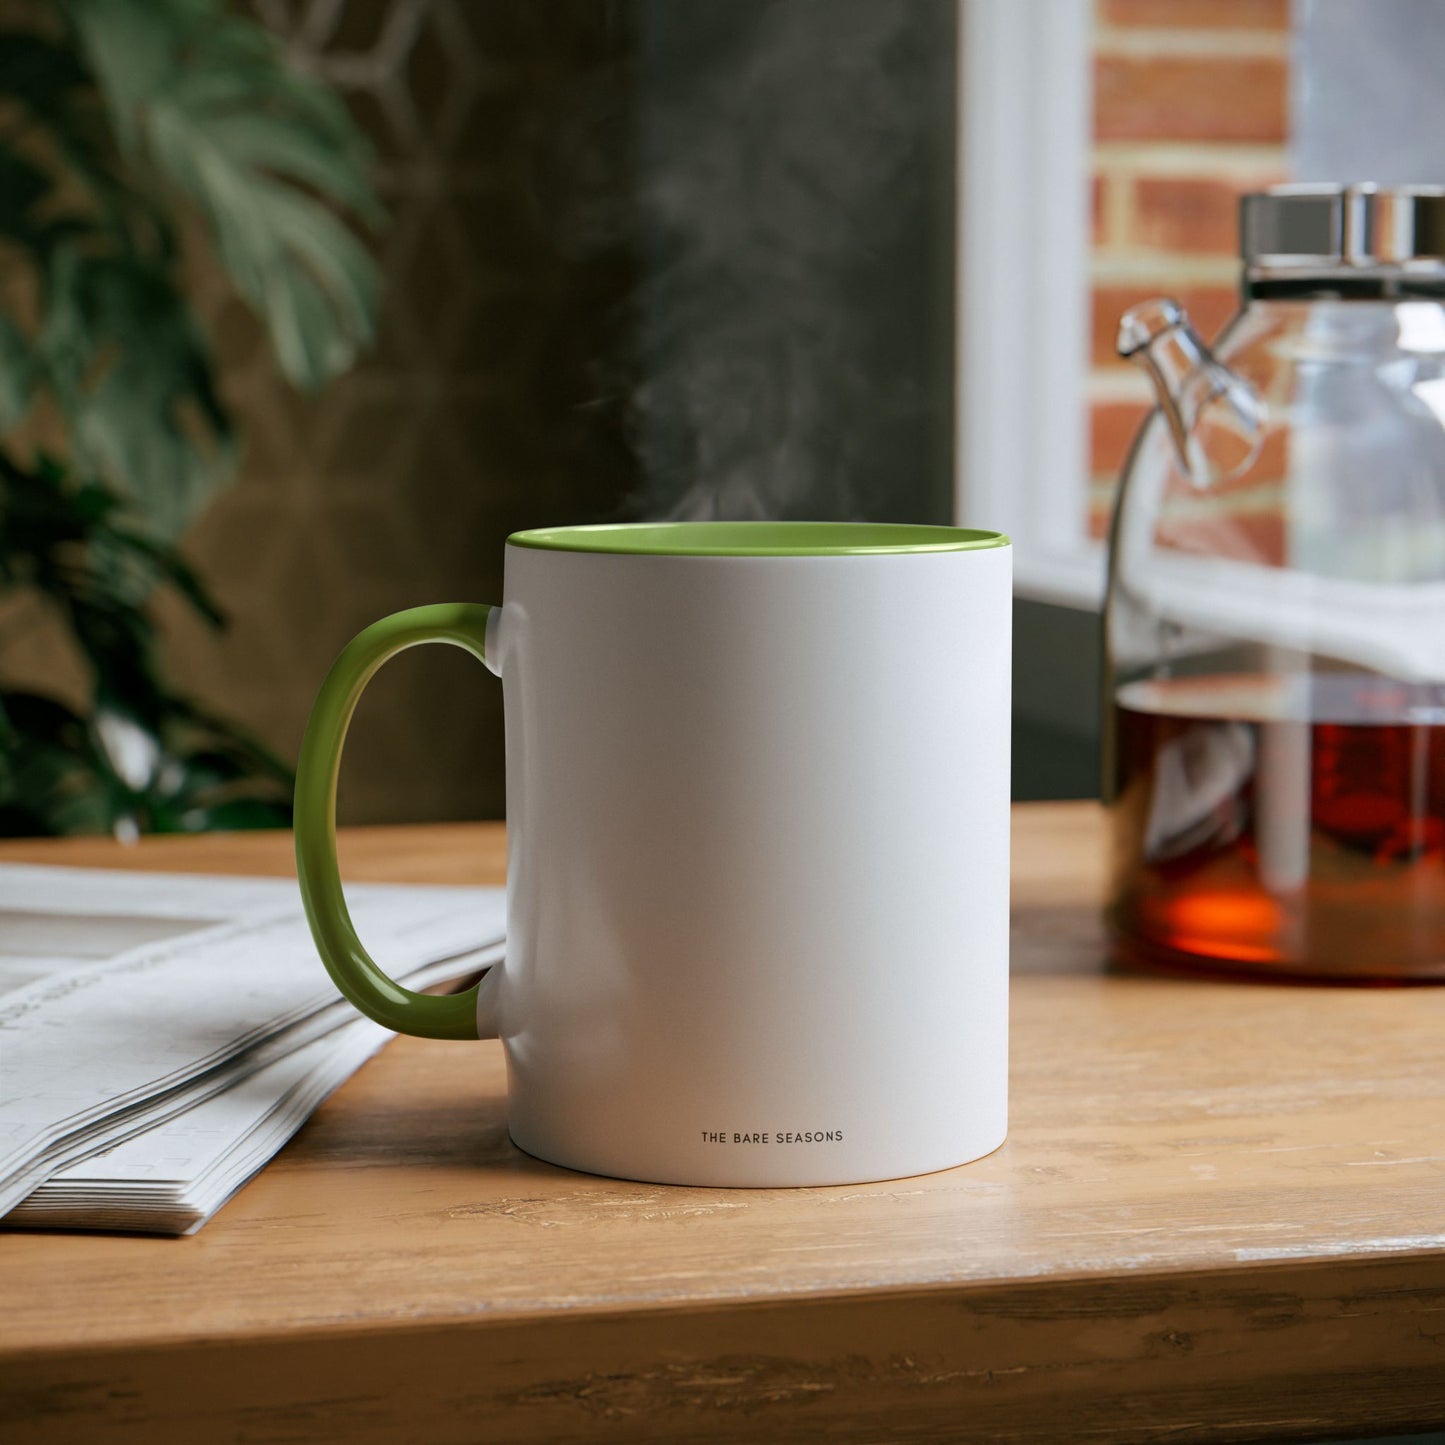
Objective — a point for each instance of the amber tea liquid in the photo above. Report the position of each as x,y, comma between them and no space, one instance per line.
1289,825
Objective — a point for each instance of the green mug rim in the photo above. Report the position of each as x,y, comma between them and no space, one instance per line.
757,539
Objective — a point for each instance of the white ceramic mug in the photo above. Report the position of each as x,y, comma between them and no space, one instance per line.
758,828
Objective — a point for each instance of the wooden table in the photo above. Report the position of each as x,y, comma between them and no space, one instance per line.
1220,1214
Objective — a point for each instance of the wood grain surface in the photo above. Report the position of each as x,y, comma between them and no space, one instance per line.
1220,1214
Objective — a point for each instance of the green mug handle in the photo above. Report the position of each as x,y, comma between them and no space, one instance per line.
448,1016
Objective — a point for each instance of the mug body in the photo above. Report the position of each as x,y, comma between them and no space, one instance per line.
757,852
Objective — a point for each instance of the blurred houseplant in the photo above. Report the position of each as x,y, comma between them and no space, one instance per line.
126,125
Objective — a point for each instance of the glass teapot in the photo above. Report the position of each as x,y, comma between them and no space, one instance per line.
1275,623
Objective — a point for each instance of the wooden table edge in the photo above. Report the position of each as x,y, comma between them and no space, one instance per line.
1264,1273
1013,1358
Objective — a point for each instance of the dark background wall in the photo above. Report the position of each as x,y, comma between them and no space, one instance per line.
479,413
793,319
645,258
1056,701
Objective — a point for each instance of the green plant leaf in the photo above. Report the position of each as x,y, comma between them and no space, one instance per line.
235,814
134,378
22,185
113,117
17,369
171,567
242,747
37,72
264,151
55,96
48,780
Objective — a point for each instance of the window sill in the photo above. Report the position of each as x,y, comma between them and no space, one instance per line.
1073,578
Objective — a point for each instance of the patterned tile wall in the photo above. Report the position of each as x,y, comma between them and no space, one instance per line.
479,412
645,257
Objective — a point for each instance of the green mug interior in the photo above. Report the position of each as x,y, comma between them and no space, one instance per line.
757,539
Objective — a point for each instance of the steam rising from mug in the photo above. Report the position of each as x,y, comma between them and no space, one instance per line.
789,336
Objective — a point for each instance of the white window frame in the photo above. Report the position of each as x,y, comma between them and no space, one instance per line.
1025,121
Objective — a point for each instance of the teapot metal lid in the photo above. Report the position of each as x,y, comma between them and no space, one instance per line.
1329,228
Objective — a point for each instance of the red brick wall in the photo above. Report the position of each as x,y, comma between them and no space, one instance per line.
1190,110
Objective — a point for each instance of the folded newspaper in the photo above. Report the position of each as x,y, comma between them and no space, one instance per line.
161,1036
